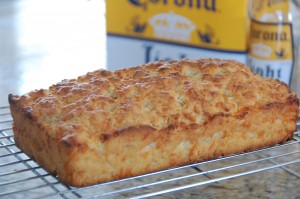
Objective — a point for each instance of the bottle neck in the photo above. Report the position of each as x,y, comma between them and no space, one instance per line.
270,11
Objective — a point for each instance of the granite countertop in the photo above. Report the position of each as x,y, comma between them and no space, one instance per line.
31,58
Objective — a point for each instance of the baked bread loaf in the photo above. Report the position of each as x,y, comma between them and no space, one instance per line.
106,125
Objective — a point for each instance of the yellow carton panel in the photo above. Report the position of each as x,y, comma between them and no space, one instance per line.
213,24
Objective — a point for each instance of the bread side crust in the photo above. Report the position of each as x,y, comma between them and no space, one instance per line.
82,158
140,150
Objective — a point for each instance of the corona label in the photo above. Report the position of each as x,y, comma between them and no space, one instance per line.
152,30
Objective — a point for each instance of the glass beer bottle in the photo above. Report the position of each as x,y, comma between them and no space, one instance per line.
270,49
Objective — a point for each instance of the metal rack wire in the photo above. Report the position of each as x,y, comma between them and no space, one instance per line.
20,175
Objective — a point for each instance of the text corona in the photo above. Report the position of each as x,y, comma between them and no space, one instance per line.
269,35
209,5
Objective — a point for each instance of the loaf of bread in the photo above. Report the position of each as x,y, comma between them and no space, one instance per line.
106,125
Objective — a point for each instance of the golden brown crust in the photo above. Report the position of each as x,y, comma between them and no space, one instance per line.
109,125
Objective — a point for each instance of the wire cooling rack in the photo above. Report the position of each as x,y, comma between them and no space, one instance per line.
21,177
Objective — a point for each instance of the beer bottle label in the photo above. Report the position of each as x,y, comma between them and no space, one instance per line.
270,52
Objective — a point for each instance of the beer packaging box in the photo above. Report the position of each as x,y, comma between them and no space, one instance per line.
141,31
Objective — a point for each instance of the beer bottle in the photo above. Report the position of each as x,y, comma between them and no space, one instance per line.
270,44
